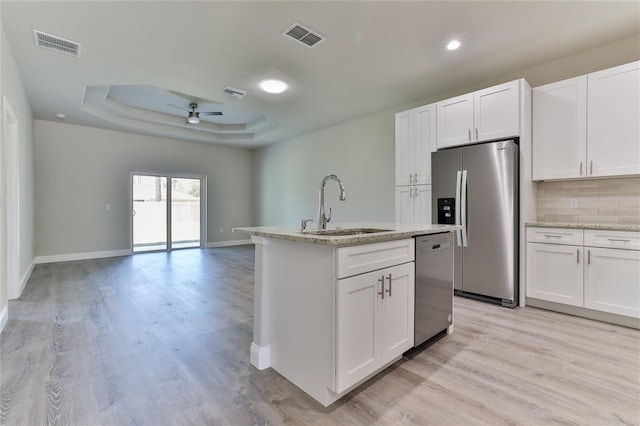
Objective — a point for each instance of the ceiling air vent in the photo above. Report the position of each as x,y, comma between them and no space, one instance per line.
303,34
234,93
51,42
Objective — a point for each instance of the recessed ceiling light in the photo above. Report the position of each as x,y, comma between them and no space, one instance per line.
60,115
453,45
273,86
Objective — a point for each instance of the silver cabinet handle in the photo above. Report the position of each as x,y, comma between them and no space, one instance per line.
581,168
469,135
476,133
389,290
588,257
410,178
416,192
591,168
553,236
618,240
415,178
577,255
381,292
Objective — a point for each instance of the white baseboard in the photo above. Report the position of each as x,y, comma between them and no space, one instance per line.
81,256
25,278
229,243
4,317
260,357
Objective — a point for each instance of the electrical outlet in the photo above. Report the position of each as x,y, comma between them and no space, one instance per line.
574,203
221,230
107,207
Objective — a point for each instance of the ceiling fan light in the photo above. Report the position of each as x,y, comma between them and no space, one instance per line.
193,118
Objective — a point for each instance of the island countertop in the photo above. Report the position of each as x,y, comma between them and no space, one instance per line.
392,231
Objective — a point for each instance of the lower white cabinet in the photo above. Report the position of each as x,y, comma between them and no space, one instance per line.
413,204
375,321
595,269
555,273
612,281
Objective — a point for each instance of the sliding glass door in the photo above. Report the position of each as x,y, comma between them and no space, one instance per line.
167,211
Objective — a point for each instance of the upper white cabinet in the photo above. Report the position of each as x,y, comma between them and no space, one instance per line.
613,121
488,114
588,126
413,204
415,139
560,129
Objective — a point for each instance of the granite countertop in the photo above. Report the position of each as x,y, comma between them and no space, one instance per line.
606,226
394,231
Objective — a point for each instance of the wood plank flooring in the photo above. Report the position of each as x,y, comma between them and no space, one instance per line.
163,339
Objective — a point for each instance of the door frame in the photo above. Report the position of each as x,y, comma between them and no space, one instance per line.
12,200
169,176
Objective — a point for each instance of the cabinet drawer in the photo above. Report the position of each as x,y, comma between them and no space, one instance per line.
369,257
572,237
629,240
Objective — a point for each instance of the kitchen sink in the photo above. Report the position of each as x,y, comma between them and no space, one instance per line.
345,232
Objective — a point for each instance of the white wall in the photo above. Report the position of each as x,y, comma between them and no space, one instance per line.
81,169
361,152
14,91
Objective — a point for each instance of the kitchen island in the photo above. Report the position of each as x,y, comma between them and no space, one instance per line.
333,308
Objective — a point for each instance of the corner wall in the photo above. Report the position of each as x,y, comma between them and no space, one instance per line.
13,90
79,170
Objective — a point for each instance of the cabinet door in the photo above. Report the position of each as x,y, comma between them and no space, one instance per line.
555,273
612,281
613,121
405,133
405,204
496,112
425,118
398,311
455,120
560,129
422,204
358,350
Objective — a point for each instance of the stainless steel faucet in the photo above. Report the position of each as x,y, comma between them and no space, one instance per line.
322,218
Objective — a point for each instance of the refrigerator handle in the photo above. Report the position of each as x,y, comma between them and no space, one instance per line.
458,183
463,208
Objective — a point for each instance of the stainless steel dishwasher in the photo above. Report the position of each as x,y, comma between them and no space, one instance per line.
434,285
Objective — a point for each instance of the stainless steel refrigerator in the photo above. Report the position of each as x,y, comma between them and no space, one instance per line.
476,186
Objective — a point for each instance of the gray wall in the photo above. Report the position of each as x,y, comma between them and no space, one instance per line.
361,152
13,89
81,169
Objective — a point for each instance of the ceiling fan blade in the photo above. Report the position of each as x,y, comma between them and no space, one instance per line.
210,113
176,106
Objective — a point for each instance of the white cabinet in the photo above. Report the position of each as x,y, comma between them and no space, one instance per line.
588,126
375,313
415,139
488,114
374,308
413,204
560,129
612,272
595,269
613,121
555,273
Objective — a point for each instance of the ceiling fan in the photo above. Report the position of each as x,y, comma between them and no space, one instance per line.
194,116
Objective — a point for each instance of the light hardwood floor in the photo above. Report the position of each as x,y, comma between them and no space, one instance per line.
163,339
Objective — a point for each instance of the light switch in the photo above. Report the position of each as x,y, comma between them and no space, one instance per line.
574,203
107,207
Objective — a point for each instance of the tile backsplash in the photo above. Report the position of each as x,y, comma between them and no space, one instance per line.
594,201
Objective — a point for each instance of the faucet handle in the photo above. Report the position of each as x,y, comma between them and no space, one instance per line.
303,224
329,217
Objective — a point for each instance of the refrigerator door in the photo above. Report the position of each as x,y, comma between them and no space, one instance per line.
446,169
490,257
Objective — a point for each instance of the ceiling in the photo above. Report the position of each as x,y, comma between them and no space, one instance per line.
138,57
